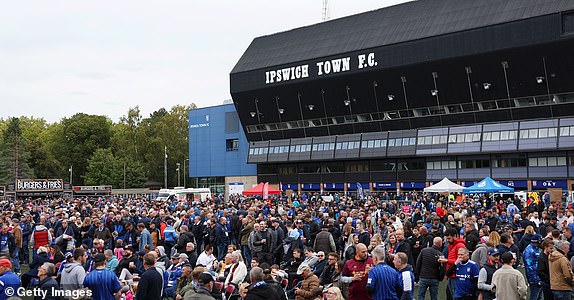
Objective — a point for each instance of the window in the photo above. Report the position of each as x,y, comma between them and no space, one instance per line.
568,22
231,122
533,162
532,133
565,131
430,165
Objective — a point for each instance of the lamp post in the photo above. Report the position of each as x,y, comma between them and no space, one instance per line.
184,172
178,177
165,167
71,169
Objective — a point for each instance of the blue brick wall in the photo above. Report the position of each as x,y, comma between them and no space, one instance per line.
207,145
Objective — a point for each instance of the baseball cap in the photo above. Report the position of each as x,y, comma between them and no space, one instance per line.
302,268
536,238
175,256
493,251
100,257
507,257
517,216
183,255
205,278
5,263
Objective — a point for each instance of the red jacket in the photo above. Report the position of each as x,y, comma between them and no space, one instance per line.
358,289
453,253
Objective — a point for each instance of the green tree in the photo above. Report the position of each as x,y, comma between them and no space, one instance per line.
14,154
76,139
106,169
42,161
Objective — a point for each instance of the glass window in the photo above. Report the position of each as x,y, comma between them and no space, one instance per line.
468,138
365,144
496,136
406,141
444,165
564,131
316,147
571,130
452,138
292,150
430,165
542,162
339,146
322,147
561,161
552,132
552,161
437,165
436,139
533,162
383,143
452,164
524,134
512,135
543,132
427,140
398,142
476,137
532,133
251,151
375,144
357,144
486,136
460,138
504,135
391,142
421,140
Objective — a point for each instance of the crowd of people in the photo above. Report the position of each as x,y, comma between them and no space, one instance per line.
306,247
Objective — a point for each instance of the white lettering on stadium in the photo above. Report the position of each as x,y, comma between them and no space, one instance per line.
326,67
286,74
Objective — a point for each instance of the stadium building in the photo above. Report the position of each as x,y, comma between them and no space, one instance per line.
403,96
218,151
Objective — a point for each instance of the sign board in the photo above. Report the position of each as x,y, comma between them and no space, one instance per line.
236,188
547,184
92,189
39,185
385,185
413,185
199,122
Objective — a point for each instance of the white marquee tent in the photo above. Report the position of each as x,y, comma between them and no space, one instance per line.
444,186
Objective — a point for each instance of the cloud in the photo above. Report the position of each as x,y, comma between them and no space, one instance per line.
94,75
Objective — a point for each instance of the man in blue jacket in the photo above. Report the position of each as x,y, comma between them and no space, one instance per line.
221,238
530,257
145,236
8,279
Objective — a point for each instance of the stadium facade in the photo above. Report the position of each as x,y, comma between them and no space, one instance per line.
403,96
218,151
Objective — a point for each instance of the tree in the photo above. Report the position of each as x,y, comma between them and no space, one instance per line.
106,169
77,138
14,154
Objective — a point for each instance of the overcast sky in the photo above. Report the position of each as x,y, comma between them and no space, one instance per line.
58,58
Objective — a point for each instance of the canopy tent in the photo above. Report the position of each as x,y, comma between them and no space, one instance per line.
488,185
445,186
258,191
